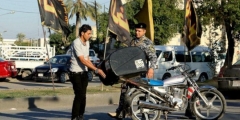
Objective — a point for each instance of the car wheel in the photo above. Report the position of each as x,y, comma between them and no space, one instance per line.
26,75
63,77
202,77
2,79
90,75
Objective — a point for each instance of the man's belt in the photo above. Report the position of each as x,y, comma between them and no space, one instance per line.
78,73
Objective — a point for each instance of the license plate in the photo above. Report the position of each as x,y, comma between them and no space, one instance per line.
236,83
40,74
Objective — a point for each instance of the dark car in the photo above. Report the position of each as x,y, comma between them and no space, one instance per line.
59,67
231,71
229,77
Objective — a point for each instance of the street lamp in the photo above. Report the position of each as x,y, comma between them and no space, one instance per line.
12,12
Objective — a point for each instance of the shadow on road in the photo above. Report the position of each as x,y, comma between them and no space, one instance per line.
38,114
36,84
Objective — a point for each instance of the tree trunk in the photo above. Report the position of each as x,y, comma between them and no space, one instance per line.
223,39
231,44
78,22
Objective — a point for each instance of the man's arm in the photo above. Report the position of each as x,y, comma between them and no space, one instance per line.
151,54
87,62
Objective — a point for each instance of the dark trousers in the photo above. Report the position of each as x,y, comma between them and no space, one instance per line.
122,97
80,83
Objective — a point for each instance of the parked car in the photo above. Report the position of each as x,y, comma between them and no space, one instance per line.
7,69
92,56
229,77
231,71
59,67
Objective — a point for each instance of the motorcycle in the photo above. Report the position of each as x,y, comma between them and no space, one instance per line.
148,99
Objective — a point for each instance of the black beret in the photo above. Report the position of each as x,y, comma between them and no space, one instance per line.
141,25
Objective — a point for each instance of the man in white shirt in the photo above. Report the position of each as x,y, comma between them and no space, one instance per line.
80,63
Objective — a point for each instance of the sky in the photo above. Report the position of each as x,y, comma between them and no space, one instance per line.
22,16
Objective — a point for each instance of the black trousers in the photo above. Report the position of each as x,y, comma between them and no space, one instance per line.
80,83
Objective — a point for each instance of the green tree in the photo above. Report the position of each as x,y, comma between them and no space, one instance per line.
82,10
167,18
55,40
20,38
225,14
103,24
1,38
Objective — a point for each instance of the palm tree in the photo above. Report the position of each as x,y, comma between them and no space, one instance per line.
82,10
1,38
20,37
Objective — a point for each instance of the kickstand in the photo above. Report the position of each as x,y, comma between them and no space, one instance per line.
165,114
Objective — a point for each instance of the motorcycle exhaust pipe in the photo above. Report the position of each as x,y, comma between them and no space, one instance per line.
144,104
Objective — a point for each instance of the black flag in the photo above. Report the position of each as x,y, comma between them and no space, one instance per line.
192,29
54,15
118,23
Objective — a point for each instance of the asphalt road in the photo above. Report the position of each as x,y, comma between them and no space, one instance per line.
100,113
92,113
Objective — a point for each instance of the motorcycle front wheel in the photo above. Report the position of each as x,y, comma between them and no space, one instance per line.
140,114
216,105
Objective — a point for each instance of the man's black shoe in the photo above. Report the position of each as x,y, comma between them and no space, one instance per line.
81,117
76,118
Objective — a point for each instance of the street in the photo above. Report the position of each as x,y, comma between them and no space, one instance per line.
92,113
100,113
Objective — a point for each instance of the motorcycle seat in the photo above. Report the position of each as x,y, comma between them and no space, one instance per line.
153,82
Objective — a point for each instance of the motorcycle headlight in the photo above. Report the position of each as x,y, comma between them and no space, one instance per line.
53,70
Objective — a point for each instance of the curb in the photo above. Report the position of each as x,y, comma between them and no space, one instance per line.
63,101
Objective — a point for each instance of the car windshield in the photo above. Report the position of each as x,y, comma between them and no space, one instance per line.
91,53
59,60
237,63
158,52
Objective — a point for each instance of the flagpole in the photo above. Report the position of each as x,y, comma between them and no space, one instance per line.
44,34
105,44
186,31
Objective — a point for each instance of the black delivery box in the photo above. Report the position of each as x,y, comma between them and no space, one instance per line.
123,62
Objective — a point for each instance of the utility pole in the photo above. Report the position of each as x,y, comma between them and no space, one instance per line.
96,25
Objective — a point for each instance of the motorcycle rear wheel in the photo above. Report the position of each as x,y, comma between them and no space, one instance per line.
137,114
216,108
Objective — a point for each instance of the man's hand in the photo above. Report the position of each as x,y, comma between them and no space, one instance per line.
150,73
100,72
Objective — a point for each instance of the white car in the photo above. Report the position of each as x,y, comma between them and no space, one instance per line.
92,55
